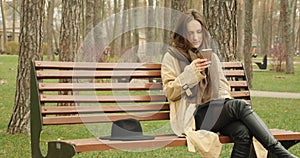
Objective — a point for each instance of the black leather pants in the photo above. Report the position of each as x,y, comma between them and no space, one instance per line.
238,121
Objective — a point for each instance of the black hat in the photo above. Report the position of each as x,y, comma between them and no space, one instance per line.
127,129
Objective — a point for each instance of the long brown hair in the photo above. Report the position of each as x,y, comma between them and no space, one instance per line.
180,32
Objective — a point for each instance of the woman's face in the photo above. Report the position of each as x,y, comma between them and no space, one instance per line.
194,29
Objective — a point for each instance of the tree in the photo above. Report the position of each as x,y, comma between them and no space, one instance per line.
136,35
30,49
124,25
167,23
89,16
240,30
293,23
70,31
248,40
14,6
150,33
286,36
180,5
220,16
116,42
49,31
4,35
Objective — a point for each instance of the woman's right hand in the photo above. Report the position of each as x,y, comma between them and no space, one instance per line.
201,64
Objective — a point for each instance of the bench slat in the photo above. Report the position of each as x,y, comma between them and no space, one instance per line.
75,119
238,84
116,66
98,86
46,110
97,74
232,65
100,99
94,144
234,73
240,94
96,66
115,74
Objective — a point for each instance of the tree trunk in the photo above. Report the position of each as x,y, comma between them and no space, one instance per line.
115,44
70,30
150,33
98,7
127,35
136,37
49,35
259,14
124,27
196,5
286,36
88,55
30,49
221,20
180,5
293,24
167,24
89,16
298,36
4,35
14,20
248,40
270,19
70,33
240,31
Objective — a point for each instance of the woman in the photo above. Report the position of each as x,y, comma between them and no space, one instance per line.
190,79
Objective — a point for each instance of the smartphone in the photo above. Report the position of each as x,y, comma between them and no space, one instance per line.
207,53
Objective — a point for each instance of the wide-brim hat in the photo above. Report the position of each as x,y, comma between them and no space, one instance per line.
127,130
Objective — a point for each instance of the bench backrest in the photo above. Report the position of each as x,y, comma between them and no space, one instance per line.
105,92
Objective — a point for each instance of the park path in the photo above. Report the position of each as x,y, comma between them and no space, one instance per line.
268,94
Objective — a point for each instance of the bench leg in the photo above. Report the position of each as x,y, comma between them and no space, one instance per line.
60,150
286,144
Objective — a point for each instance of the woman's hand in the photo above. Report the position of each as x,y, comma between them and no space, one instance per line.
201,64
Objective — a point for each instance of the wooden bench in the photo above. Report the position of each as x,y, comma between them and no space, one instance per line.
106,92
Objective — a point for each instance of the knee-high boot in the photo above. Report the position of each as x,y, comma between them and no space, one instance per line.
261,132
239,110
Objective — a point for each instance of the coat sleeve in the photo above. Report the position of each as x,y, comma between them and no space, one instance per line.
173,80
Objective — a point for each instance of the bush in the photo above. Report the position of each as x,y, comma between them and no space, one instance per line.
278,57
12,47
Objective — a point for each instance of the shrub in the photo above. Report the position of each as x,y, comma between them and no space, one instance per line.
12,47
278,57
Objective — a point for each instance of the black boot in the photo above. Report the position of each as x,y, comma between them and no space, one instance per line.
261,132
237,109
242,139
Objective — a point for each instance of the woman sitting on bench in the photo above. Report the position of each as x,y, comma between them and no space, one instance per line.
192,78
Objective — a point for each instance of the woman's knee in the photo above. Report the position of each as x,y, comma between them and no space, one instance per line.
238,108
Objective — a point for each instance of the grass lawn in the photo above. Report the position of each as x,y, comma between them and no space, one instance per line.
277,113
265,80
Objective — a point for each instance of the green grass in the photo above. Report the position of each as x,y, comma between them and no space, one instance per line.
277,113
277,81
